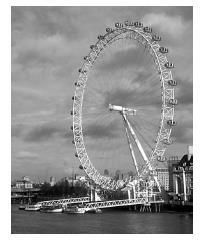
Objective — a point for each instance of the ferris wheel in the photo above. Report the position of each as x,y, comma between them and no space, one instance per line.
108,98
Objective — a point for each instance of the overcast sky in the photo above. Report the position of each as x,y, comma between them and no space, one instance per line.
48,45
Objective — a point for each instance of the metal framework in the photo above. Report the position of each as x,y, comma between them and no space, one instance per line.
116,203
65,201
144,36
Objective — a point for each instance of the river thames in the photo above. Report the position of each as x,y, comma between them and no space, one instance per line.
108,222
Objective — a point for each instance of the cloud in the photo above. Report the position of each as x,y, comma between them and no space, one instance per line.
134,97
44,132
42,51
130,55
101,131
183,133
44,21
174,26
120,60
17,130
26,155
184,92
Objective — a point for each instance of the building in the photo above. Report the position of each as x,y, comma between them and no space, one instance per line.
24,183
52,181
26,178
172,164
183,176
163,177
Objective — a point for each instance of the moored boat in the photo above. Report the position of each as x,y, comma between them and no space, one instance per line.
52,209
34,207
76,209
94,211
22,207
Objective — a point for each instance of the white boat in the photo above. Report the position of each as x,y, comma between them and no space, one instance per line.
75,209
22,207
34,207
94,211
52,209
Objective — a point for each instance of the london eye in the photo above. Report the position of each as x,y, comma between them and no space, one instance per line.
123,106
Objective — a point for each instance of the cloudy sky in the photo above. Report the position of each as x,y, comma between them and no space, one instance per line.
48,45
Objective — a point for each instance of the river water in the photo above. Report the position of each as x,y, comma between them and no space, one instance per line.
108,222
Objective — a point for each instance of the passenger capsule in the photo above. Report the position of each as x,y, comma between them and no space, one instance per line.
147,29
73,142
126,23
138,24
82,71
71,112
74,97
118,25
169,65
172,82
163,50
85,57
81,167
130,23
161,158
100,37
173,102
92,47
167,141
76,154
108,29
156,38
171,123
71,128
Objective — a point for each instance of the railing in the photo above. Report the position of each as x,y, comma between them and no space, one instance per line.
65,201
116,203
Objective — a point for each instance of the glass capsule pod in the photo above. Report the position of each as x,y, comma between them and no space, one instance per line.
126,23
74,98
169,65
100,37
171,123
163,50
71,112
156,38
73,142
81,70
92,46
173,102
138,24
161,158
76,154
172,82
81,167
108,29
147,29
130,23
167,141
118,25
71,128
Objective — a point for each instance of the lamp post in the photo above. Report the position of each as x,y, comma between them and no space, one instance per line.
184,184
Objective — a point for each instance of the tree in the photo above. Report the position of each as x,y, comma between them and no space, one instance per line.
106,172
131,173
117,174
